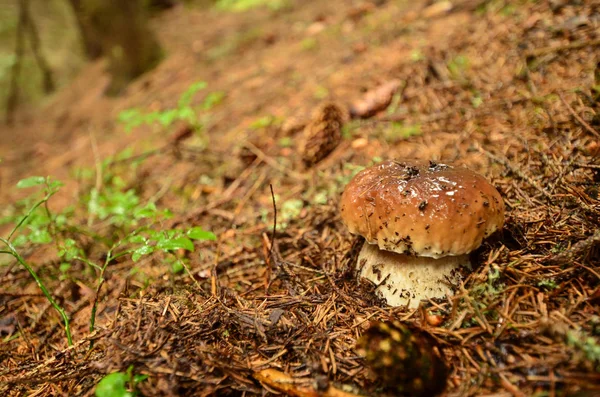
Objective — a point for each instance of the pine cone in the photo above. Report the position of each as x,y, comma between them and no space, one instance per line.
322,134
405,359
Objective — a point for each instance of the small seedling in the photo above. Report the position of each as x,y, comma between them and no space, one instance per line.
309,43
285,141
50,187
547,284
588,345
321,93
266,122
133,118
416,55
119,384
286,212
458,67
476,101
398,131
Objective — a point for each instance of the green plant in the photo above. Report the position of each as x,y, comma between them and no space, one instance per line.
588,345
134,223
266,122
127,227
119,384
547,284
416,55
132,118
397,131
50,188
496,7
476,100
321,92
287,212
458,67
285,141
349,128
309,43
145,241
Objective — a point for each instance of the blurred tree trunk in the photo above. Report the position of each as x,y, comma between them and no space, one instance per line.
118,30
91,44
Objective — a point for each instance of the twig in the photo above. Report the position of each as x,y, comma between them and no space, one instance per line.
590,166
274,164
578,118
515,171
274,219
561,174
571,46
141,156
41,285
98,182
269,255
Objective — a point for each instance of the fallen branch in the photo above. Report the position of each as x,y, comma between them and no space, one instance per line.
282,382
578,118
273,163
516,171
571,46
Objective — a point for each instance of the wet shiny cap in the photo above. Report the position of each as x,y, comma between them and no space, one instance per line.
422,208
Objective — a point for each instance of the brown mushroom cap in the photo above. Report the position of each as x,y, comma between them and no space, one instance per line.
426,209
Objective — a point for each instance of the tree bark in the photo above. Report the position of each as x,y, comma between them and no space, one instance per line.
91,44
119,30
12,100
34,39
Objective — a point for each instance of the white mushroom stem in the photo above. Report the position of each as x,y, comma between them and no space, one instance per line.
403,279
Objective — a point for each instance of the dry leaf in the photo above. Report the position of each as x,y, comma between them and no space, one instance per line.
375,100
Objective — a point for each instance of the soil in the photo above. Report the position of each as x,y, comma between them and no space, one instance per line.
509,89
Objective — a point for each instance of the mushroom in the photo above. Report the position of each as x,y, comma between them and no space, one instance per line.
420,221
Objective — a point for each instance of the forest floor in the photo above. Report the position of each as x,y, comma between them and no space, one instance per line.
508,89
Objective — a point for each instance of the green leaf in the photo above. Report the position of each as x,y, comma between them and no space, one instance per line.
177,267
187,96
143,250
139,378
212,100
156,235
31,181
69,250
167,117
54,185
137,239
197,233
175,244
262,122
145,212
187,113
60,220
20,240
113,385
40,236
64,267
